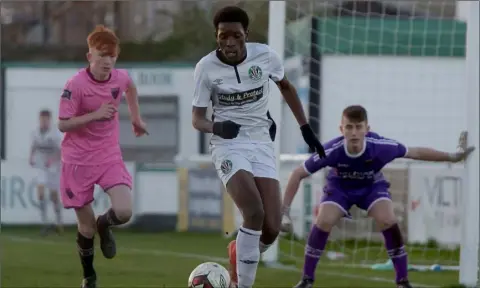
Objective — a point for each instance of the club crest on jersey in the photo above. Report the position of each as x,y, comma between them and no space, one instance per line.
255,73
115,92
226,166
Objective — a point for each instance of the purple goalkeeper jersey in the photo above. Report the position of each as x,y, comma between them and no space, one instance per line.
353,173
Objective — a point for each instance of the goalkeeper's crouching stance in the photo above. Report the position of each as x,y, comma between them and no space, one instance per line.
356,159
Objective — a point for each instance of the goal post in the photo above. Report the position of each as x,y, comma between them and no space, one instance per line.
469,256
276,40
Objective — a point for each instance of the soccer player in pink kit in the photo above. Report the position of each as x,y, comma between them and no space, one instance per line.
90,149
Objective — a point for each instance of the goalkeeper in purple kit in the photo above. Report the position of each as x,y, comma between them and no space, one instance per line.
356,159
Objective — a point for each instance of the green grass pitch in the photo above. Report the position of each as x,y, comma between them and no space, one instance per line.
164,260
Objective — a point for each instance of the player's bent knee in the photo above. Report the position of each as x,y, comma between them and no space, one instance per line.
269,234
253,216
123,215
326,221
386,223
328,215
325,224
271,229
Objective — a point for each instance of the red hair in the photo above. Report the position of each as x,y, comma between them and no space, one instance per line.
104,39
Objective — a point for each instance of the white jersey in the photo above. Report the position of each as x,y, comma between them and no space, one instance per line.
239,92
46,147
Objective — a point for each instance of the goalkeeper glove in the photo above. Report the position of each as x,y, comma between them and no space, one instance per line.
463,151
312,140
226,129
286,226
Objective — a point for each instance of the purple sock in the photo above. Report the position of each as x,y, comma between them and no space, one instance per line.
317,240
396,251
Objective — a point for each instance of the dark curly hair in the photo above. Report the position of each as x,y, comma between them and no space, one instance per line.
231,14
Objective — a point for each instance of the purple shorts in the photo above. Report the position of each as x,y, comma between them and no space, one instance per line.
362,198
77,181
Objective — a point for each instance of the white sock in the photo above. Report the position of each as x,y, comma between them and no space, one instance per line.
264,247
248,255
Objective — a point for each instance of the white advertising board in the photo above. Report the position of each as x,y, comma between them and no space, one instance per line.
435,198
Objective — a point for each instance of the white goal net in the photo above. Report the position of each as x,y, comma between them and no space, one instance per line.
405,62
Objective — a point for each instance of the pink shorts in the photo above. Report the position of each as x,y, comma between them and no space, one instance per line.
77,181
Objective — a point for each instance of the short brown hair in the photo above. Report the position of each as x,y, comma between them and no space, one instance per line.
355,113
45,113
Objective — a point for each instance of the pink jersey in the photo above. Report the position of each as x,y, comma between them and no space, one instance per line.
97,142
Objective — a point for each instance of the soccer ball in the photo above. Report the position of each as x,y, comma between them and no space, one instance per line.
209,275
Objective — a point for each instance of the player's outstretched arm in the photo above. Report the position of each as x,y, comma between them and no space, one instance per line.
290,191
292,186
310,166
131,95
290,95
432,155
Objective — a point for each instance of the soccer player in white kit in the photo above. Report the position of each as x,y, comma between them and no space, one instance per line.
237,78
45,158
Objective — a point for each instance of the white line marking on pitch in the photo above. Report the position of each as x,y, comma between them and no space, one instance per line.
201,257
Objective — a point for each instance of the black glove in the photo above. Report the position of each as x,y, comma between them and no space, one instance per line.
226,129
312,140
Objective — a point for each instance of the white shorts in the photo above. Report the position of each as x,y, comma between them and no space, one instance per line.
256,158
49,177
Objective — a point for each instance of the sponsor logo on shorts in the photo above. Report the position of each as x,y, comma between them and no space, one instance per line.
255,73
241,98
69,193
226,166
